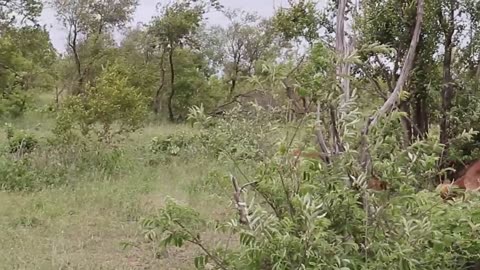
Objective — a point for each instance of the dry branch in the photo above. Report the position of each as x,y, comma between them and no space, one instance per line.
239,202
325,154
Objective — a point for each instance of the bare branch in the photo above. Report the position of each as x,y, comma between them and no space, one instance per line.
253,183
325,154
239,202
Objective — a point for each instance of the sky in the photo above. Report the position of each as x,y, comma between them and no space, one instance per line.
147,9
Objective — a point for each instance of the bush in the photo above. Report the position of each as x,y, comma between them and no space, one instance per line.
307,217
24,175
14,104
238,135
22,143
108,108
171,144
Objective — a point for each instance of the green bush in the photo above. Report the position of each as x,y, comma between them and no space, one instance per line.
307,217
14,104
238,135
22,142
24,175
108,108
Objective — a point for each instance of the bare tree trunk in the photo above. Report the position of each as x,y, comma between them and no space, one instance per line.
448,27
406,124
172,84
236,59
232,86
157,101
343,69
421,120
447,91
72,43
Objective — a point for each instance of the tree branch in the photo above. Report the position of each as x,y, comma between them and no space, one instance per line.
408,63
389,104
240,204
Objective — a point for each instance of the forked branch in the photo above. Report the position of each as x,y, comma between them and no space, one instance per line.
239,202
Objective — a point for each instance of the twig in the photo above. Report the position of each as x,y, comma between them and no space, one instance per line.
287,196
239,202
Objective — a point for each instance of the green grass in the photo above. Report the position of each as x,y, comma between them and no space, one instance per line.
84,225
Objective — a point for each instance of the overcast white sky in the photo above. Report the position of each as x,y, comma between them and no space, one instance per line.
147,9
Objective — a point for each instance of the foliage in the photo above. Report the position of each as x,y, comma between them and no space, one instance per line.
237,49
231,138
173,144
26,55
19,176
25,10
21,143
110,103
300,20
305,217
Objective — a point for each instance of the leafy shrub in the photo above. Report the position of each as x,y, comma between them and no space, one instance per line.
108,108
14,104
237,135
171,144
307,217
22,142
23,175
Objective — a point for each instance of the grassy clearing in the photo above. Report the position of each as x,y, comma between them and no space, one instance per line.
84,225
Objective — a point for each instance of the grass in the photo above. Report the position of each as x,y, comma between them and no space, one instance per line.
84,225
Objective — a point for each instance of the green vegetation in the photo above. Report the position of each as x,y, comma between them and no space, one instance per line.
173,149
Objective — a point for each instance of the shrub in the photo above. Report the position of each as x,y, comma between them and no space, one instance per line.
108,108
14,104
307,217
238,135
23,175
22,143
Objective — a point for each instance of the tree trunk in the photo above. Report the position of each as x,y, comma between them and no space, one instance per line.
157,100
389,104
232,86
421,115
72,43
343,69
172,84
447,91
406,124
236,70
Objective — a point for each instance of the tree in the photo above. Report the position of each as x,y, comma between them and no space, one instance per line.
109,108
391,23
26,55
87,21
19,12
173,29
239,46
447,15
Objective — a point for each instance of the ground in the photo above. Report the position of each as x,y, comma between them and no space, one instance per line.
87,225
